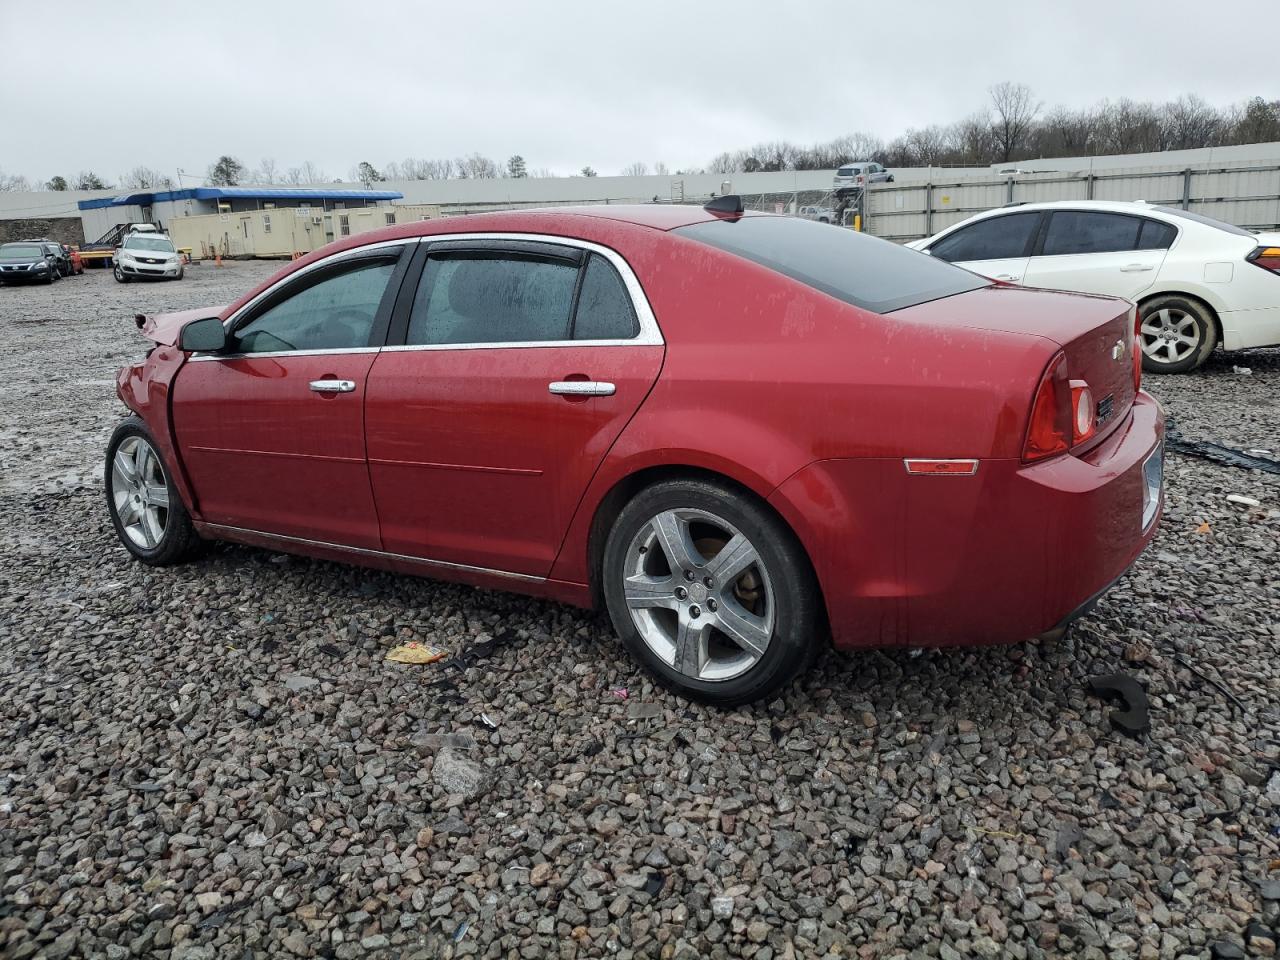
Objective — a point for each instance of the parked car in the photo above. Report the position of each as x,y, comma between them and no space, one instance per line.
819,214
60,253
856,174
1197,282
26,261
702,421
147,255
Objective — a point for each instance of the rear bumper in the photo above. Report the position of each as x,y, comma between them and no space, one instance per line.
1242,329
994,558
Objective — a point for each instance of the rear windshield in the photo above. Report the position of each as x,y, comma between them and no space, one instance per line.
20,250
865,271
159,244
1207,221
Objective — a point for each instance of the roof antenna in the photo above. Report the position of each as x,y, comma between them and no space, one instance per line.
729,203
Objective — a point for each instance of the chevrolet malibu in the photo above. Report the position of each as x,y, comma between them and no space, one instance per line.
744,436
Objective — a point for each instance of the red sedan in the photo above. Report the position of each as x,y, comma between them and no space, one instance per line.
743,435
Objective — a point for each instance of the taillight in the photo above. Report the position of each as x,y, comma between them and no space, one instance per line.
1268,258
1082,418
1137,349
1051,413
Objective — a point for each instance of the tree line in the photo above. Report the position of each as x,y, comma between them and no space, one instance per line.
1013,125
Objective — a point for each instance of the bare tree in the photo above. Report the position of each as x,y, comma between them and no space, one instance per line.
1189,122
266,172
542,172
476,167
637,169
145,178
1015,113
307,173
13,183
660,169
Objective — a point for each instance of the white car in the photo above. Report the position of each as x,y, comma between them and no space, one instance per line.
820,214
147,255
1197,282
853,175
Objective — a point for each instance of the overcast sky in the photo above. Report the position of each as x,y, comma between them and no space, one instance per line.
107,86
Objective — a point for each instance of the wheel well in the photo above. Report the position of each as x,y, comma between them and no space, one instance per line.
1213,314
624,490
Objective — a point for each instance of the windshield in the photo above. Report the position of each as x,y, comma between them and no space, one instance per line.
23,250
1207,221
158,244
865,271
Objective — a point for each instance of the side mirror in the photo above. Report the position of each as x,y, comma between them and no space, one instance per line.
203,336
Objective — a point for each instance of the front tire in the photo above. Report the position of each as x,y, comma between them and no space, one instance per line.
119,275
711,592
1177,334
148,514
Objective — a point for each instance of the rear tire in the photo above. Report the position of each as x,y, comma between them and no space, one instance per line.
1178,334
146,510
711,592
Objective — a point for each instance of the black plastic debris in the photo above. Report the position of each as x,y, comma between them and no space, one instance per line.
1225,950
269,646
592,748
653,886
1068,836
1134,720
1228,456
329,650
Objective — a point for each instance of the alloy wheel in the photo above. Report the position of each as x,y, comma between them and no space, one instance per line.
139,492
699,594
1169,335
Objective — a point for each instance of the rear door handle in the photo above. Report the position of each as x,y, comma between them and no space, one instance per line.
333,386
1136,268
582,388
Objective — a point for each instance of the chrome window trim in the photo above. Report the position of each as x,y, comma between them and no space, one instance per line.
328,351
650,333
229,324
365,551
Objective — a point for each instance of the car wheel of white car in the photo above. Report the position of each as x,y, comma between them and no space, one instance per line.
120,277
1177,334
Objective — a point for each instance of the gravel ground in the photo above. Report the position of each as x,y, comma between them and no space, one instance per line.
215,760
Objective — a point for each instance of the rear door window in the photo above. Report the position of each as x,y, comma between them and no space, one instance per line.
868,272
995,238
486,298
604,308
1156,235
1081,231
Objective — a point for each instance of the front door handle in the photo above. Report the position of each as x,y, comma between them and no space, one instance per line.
1136,268
333,386
582,388
1008,277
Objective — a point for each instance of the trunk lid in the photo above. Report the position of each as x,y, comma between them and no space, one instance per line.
1095,333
